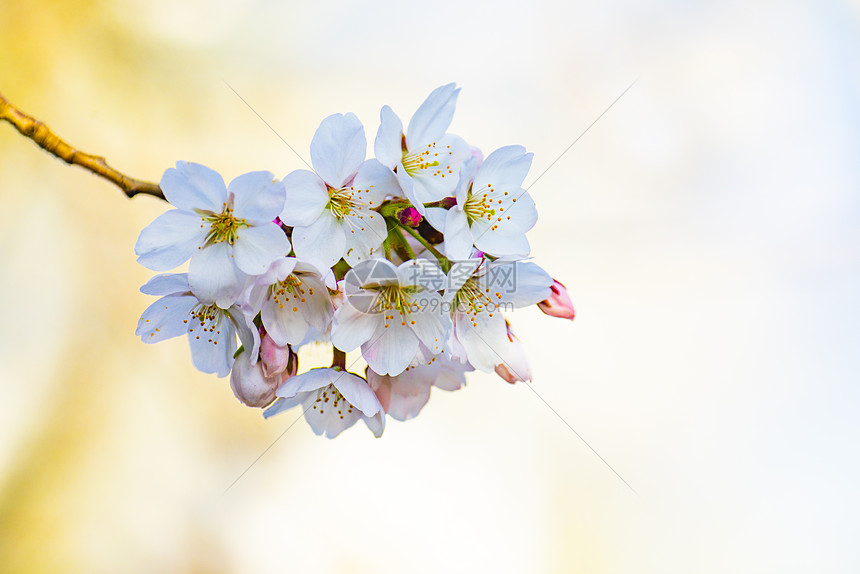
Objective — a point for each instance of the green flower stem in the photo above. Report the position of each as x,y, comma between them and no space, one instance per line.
443,261
403,243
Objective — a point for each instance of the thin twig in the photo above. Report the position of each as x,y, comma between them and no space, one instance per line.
46,139
443,261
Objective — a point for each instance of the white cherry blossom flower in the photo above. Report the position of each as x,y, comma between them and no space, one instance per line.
426,159
331,211
389,311
227,232
211,330
333,400
478,291
493,212
292,297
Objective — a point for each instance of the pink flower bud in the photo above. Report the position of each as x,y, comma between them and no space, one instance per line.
275,358
409,216
559,303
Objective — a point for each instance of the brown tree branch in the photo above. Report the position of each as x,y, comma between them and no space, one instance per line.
37,131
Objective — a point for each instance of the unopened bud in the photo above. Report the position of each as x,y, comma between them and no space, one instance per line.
274,357
249,384
409,216
559,303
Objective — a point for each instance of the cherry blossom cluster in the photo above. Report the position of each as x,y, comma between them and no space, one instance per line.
412,257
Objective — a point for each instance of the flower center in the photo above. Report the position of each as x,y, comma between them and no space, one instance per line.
330,398
478,205
340,201
393,300
419,161
223,226
206,321
472,300
290,288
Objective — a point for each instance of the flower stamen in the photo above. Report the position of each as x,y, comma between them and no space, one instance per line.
478,206
223,226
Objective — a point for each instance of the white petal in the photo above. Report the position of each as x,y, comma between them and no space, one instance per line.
170,240
505,168
167,284
373,183
278,271
512,358
258,197
318,308
356,390
165,319
338,148
381,385
434,186
213,276
376,423
306,382
522,212
423,273
451,375
257,247
307,197
192,186
391,349
409,394
458,235
366,226
323,239
499,244
435,216
387,145
433,117
432,325
407,186
281,404
484,341
325,418
467,176
213,346
309,265
352,328
357,240
533,285
249,335
285,325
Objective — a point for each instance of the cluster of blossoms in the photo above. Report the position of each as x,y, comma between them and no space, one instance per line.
411,257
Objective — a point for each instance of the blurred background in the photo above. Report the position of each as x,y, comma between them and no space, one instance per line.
706,227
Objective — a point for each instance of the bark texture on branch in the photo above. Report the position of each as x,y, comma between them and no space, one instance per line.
45,138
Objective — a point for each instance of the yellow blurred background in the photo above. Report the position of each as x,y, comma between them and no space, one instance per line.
706,226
